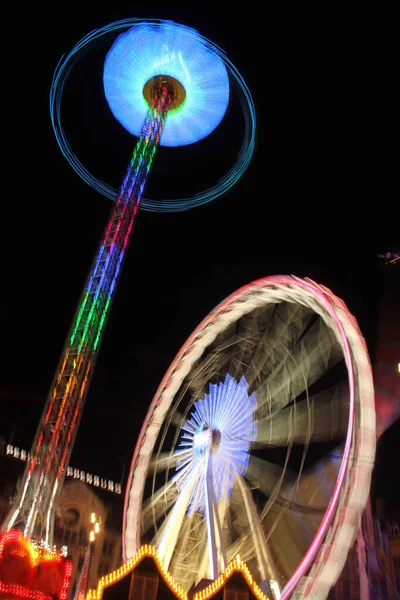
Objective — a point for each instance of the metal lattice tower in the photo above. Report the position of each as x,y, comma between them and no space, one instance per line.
33,506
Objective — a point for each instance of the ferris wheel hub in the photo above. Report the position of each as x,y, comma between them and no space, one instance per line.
206,439
216,439
175,88
202,440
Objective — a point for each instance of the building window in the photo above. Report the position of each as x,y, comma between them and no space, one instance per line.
108,548
396,564
71,517
231,593
144,586
375,588
104,569
395,529
59,534
83,537
346,588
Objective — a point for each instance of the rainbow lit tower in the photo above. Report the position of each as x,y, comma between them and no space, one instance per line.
57,430
167,85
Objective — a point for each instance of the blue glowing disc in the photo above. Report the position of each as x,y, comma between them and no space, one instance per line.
166,48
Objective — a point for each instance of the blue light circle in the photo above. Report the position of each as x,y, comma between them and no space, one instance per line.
165,48
60,77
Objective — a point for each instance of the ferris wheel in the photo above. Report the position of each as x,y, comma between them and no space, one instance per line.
259,442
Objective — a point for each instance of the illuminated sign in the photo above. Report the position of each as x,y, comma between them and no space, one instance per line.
105,484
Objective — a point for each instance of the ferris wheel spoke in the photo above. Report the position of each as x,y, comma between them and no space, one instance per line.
303,501
246,349
162,462
318,481
311,358
266,476
173,523
211,366
321,417
285,324
214,361
279,475
177,418
264,557
189,550
242,513
295,514
158,505
243,547
248,337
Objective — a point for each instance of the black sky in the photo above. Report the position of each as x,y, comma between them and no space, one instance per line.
318,200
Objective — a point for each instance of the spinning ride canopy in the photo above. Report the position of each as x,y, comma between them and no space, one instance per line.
289,352
148,50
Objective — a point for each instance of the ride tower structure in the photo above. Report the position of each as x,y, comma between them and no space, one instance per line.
161,92
33,509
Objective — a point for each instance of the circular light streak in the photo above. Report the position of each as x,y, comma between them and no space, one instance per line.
221,424
149,49
226,182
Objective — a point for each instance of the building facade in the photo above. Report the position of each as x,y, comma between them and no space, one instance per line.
73,524
372,569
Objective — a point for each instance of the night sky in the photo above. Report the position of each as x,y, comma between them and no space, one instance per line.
318,200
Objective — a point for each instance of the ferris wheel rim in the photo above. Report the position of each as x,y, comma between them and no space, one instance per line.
225,183
368,449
